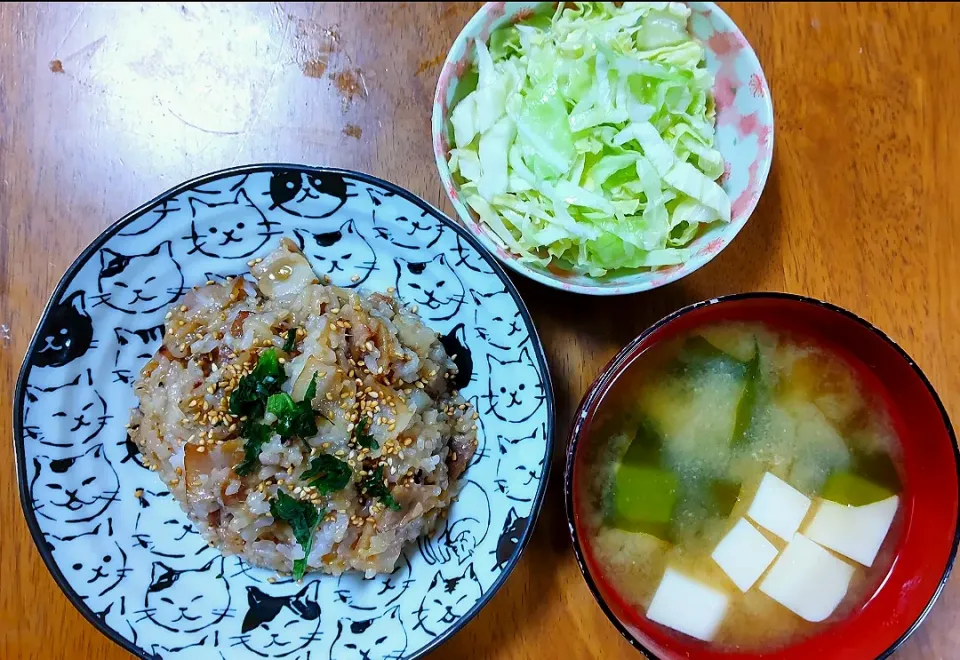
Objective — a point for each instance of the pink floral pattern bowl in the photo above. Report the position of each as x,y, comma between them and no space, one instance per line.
744,138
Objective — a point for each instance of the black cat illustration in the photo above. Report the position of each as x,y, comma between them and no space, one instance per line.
67,333
308,194
220,278
178,648
380,638
171,538
448,599
513,529
455,344
481,451
139,283
341,255
235,229
75,489
144,502
377,196
279,626
466,255
133,348
131,452
415,233
80,413
187,600
376,593
519,465
146,222
99,575
515,389
462,531
432,285
90,532
499,327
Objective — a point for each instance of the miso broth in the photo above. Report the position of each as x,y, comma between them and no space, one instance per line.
678,452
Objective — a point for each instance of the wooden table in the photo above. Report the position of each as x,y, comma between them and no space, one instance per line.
102,107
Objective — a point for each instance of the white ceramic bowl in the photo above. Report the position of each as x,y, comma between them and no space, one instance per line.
744,138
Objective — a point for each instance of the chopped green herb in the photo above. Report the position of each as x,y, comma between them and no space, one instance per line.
364,439
253,390
303,519
281,404
293,419
374,485
327,474
291,340
311,392
255,435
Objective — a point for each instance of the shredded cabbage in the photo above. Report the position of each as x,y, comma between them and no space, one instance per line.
589,138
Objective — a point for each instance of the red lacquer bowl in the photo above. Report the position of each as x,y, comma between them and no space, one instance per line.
926,539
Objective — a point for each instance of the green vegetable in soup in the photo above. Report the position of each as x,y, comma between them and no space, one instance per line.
726,494
820,451
646,445
698,355
747,407
643,499
877,467
851,490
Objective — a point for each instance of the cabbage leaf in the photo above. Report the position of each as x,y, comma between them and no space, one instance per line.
590,138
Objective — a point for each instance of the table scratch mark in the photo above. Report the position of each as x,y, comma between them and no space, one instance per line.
366,92
83,8
255,116
5,333
90,48
211,131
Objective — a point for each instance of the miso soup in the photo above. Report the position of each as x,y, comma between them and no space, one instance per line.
743,486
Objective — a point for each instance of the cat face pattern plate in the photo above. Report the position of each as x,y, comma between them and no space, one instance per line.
135,566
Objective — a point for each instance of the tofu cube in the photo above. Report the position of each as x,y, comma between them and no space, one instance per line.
744,554
688,606
808,580
779,507
856,532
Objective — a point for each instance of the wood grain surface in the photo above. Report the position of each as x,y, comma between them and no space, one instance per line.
104,106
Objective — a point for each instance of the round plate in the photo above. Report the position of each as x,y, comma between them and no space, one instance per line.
744,138
120,558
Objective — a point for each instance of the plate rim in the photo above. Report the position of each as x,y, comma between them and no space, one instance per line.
109,232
